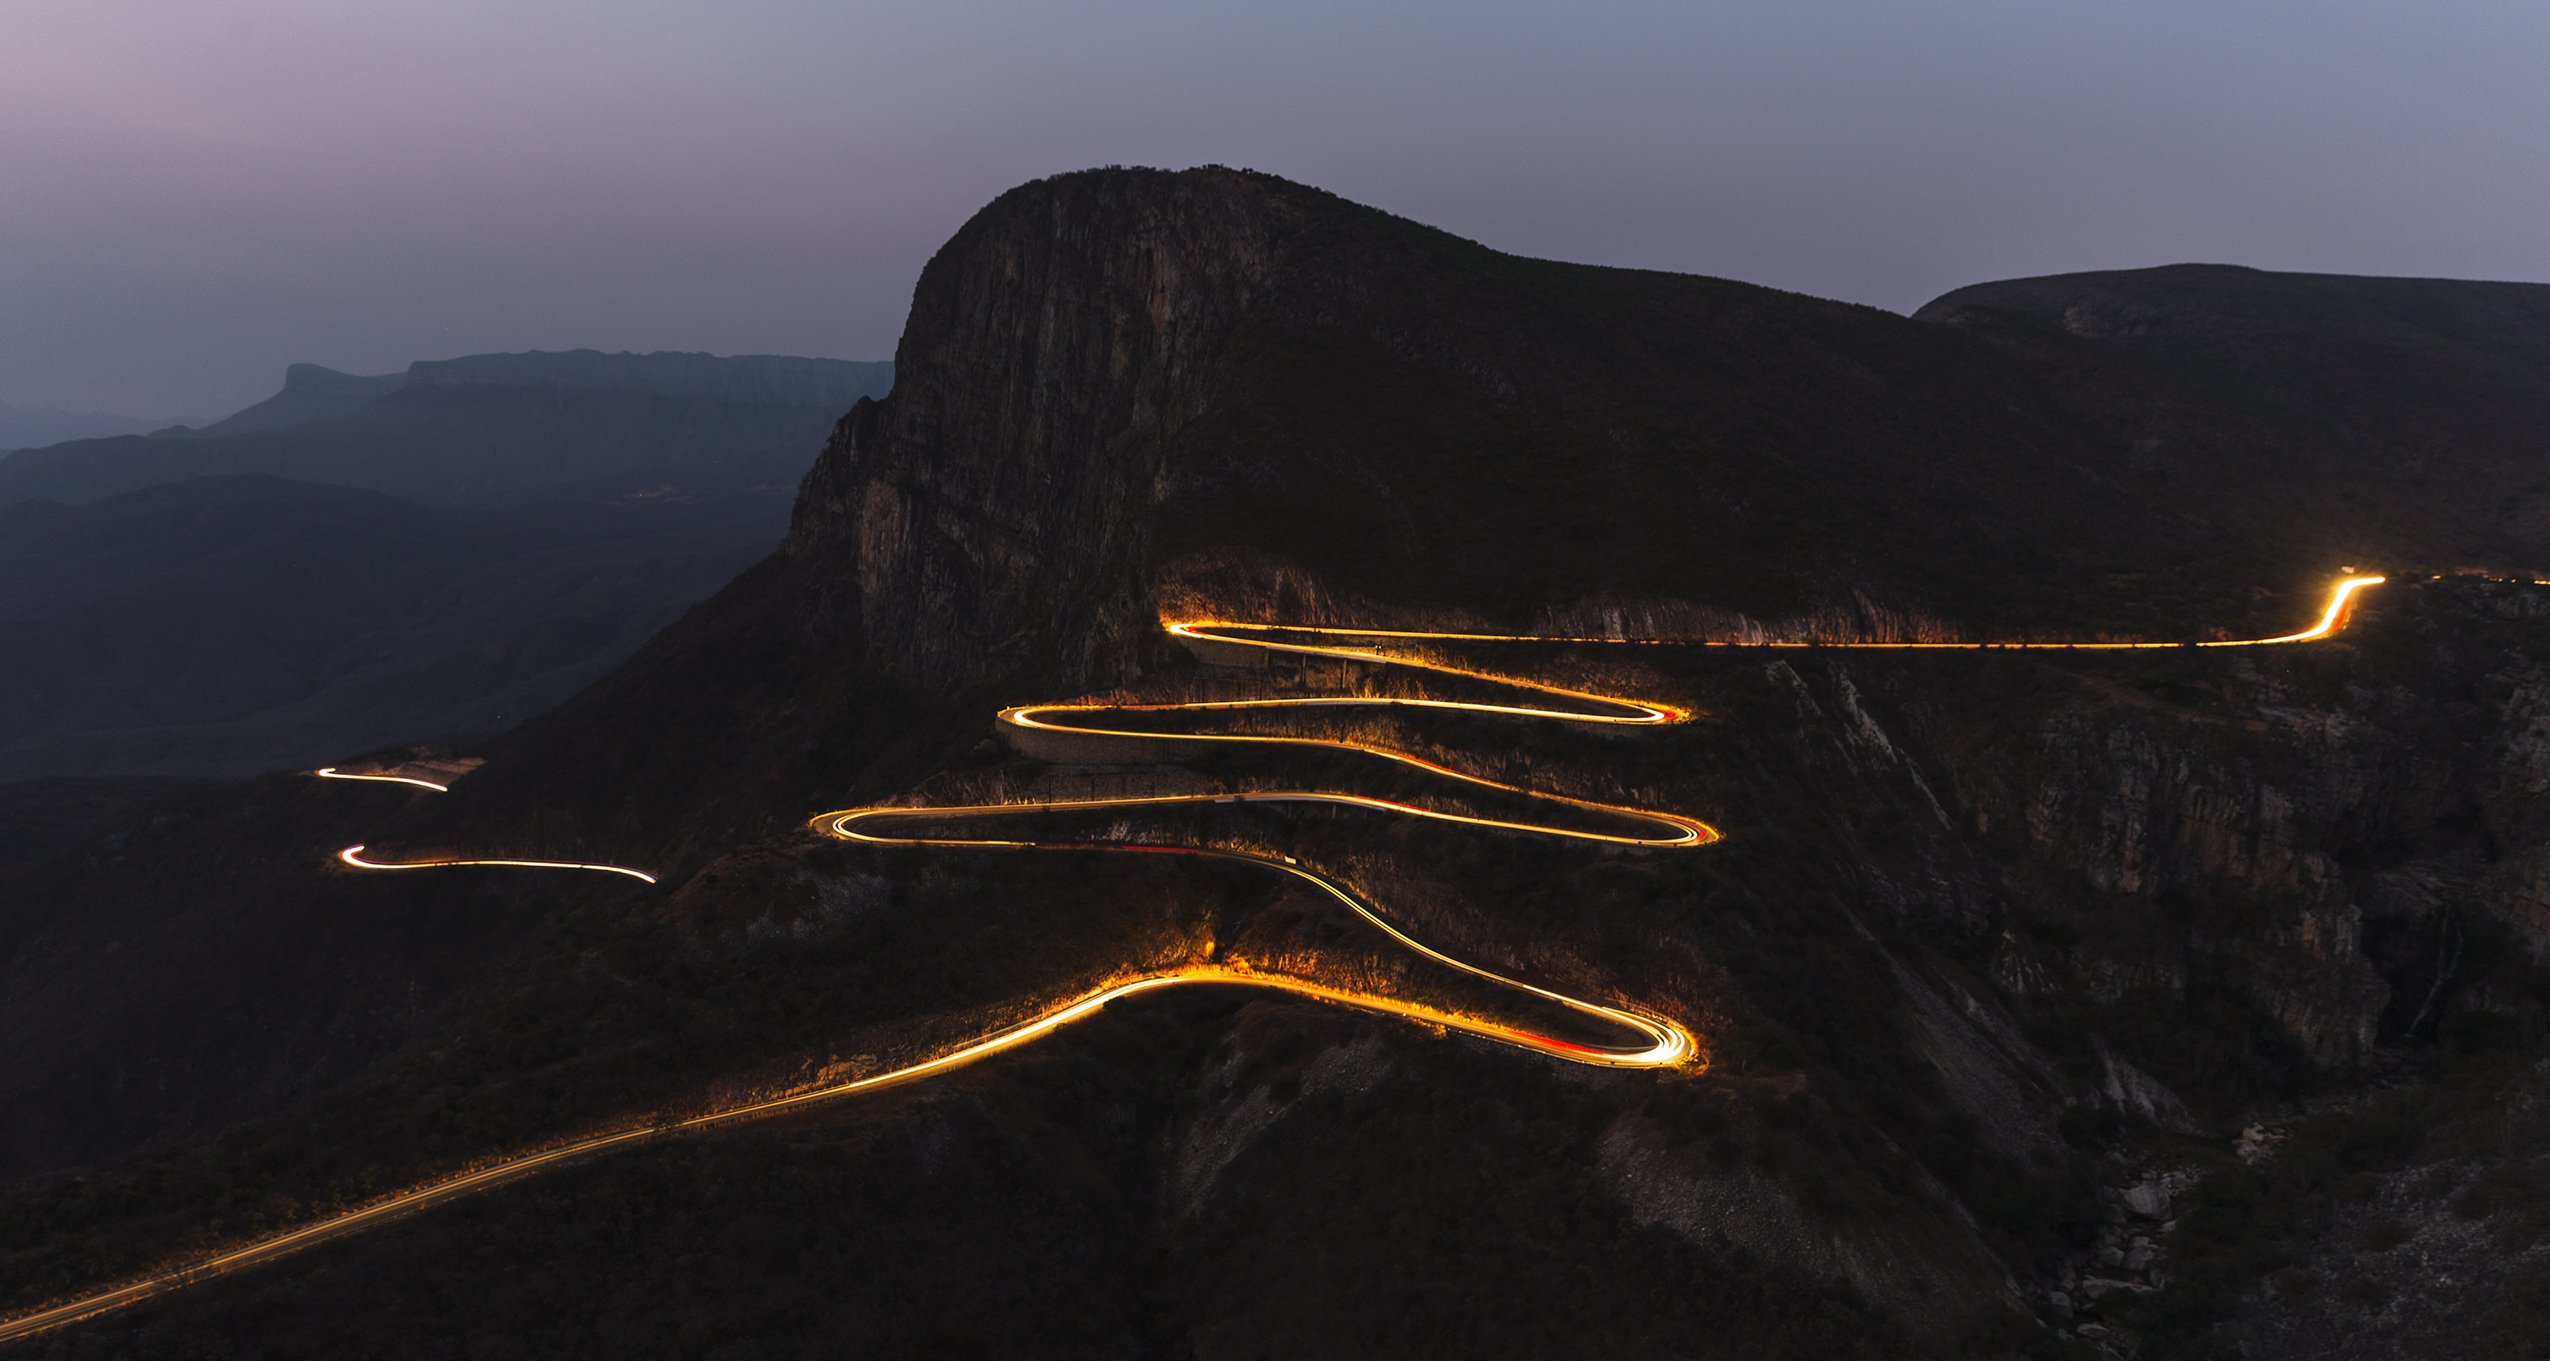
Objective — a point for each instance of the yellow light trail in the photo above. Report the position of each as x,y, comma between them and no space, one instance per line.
1659,1043
1663,1043
332,773
353,855
2331,619
1666,1043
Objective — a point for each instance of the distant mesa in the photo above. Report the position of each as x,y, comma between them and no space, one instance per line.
310,392
488,430
316,392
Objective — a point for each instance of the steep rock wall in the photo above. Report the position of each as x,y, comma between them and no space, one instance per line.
993,516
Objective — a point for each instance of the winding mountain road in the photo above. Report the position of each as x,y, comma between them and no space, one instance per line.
352,856
1648,1041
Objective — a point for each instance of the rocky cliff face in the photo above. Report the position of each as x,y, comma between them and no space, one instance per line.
2319,835
994,516
1108,378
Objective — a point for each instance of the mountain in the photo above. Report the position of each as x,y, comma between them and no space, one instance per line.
745,380
2417,390
310,392
551,512
485,431
25,427
2187,1000
231,625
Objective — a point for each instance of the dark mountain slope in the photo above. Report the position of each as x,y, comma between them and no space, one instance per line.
489,430
234,622
2421,391
230,625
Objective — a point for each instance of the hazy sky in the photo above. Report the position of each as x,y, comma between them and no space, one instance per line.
194,194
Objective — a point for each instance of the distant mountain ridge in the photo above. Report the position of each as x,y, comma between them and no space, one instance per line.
310,392
231,625
749,379
2433,391
363,558
31,427
487,431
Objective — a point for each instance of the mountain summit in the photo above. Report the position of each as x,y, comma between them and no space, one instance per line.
1109,379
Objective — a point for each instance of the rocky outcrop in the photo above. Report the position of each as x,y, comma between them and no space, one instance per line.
994,516
2153,816
2314,835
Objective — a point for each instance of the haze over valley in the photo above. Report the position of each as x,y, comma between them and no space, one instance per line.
432,555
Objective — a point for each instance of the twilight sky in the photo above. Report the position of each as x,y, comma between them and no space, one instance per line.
194,193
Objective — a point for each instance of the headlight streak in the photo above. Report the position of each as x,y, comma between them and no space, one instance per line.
353,855
332,773
2331,618
1666,1043
1660,1042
